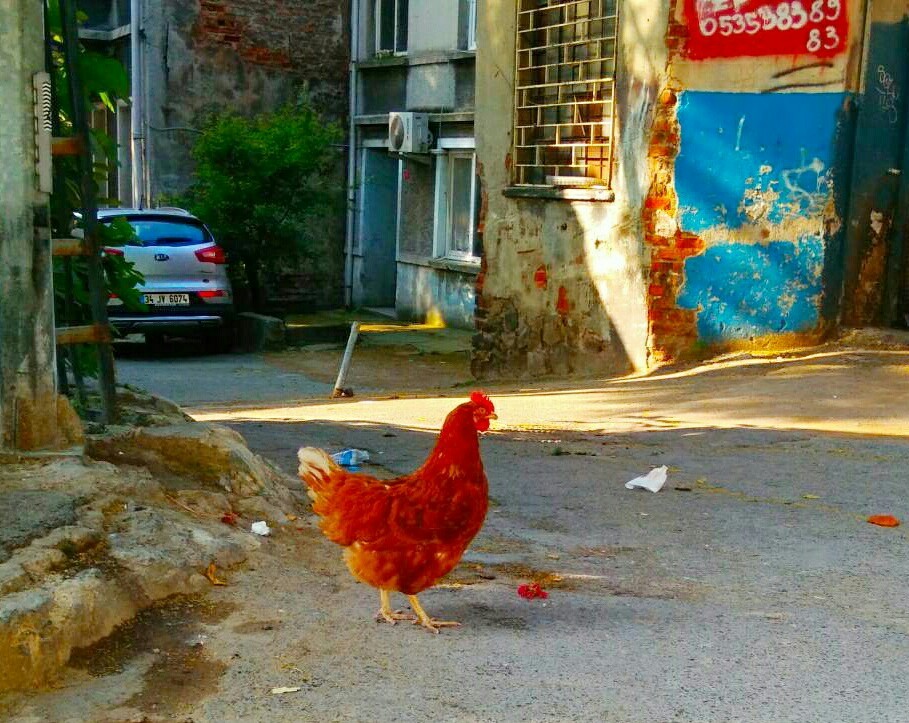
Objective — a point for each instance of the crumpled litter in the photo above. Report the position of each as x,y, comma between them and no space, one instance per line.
351,457
261,528
282,691
884,520
531,591
653,480
229,518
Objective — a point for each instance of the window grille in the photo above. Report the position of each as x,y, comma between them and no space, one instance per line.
565,92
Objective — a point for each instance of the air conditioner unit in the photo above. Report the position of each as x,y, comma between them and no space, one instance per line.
408,132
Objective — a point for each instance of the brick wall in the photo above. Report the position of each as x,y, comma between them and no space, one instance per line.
671,330
305,39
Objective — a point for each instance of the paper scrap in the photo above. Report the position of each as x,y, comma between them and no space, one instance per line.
652,481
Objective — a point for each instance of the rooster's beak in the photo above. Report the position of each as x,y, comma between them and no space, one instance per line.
493,416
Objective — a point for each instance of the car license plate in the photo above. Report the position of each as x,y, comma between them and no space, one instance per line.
166,299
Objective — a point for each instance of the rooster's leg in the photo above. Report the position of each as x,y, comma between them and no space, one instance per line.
427,622
386,613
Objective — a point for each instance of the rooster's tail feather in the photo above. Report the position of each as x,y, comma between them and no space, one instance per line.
315,470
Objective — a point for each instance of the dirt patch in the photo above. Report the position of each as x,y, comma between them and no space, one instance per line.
467,573
641,586
547,579
254,627
181,673
95,557
399,368
491,544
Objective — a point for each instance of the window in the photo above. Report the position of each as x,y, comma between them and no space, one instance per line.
472,24
456,207
391,26
165,231
565,92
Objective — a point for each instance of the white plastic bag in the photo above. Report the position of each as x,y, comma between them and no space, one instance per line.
261,528
652,481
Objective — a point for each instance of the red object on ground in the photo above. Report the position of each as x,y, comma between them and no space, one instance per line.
532,591
229,518
884,520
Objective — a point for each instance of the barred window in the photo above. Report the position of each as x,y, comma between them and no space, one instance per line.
565,92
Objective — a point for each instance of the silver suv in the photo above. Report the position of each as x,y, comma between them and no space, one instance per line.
186,289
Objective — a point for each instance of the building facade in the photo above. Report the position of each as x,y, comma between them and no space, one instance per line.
413,244
194,58
665,179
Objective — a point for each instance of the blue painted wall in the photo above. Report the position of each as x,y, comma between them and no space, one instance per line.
752,168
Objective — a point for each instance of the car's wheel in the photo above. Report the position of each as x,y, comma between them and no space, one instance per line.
154,339
220,341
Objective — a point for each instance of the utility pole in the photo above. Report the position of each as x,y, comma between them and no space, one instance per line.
137,111
28,388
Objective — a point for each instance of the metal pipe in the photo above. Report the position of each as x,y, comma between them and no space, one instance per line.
351,153
137,115
339,390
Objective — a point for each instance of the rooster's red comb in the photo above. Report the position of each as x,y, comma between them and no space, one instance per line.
481,400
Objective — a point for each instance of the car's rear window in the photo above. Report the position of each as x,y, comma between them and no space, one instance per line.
153,231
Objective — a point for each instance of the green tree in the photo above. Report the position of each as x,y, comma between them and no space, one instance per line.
104,81
266,186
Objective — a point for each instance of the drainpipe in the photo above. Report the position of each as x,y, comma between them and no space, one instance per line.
137,114
351,153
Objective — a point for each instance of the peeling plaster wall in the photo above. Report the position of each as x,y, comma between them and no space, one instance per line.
563,288
733,185
744,220
758,193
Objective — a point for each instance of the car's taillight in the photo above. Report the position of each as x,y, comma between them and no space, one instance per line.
212,255
113,252
211,294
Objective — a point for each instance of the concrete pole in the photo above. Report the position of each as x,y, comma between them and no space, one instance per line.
28,393
137,97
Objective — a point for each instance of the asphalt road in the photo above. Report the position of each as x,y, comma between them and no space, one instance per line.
750,588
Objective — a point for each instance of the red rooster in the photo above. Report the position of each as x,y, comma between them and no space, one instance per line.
406,533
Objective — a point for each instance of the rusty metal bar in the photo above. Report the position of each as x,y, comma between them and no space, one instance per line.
88,334
67,146
69,247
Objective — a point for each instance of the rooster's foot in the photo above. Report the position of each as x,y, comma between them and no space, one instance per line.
387,614
431,624
392,616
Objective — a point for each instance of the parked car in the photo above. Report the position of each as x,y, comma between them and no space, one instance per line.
187,290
